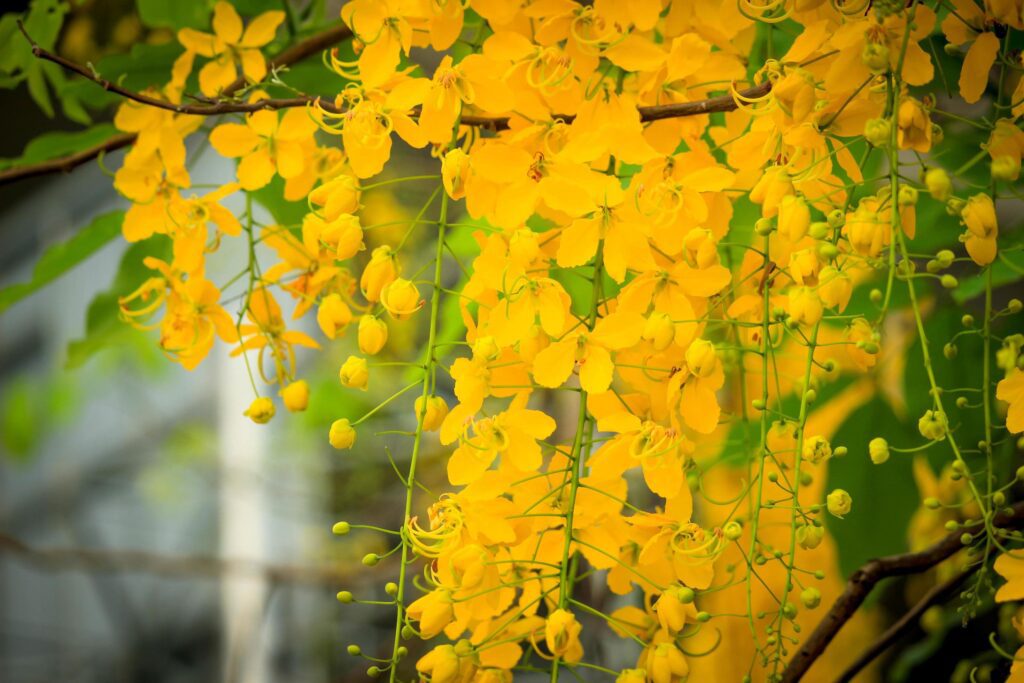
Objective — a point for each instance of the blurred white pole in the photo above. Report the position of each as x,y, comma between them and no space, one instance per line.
243,447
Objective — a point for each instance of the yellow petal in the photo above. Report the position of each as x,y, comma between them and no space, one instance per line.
254,66
226,22
553,364
217,75
205,44
261,30
233,139
977,64
596,370
255,170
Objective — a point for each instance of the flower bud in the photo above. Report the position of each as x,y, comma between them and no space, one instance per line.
342,435
454,170
341,528
835,218
794,217
875,56
817,449
938,183
878,131
949,281
818,230
907,196
354,373
436,412
1005,167
400,298
382,269
810,597
878,449
260,411
296,396
659,330
839,503
373,334
933,425
732,531
809,536
701,358
345,597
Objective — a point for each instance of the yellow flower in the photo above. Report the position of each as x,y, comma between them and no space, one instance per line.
296,396
354,373
562,636
266,144
383,28
400,298
260,411
839,503
1011,390
590,351
512,434
265,332
342,435
228,47
664,662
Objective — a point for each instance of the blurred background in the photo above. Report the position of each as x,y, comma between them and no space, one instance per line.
148,531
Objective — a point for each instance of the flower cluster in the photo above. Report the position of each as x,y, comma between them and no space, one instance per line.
671,267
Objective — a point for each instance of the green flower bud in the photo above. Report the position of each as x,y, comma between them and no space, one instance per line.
949,281
878,131
344,597
810,597
839,503
371,559
933,425
878,449
732,531
355,650
341,528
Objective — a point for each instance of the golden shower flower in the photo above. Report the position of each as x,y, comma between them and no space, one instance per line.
228,47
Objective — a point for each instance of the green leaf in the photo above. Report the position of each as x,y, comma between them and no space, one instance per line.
145,66
872,529
174,14
19,419
283,211
103,326
52,145
1008,268
60,258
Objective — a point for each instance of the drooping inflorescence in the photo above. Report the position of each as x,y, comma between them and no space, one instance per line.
703,234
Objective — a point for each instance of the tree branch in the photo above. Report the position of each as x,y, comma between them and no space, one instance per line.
88,559
936,595
863,581
292,55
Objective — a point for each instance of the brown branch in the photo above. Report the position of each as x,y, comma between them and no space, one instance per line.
67,163
936,595
292,55
863,581
87,559
219,107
